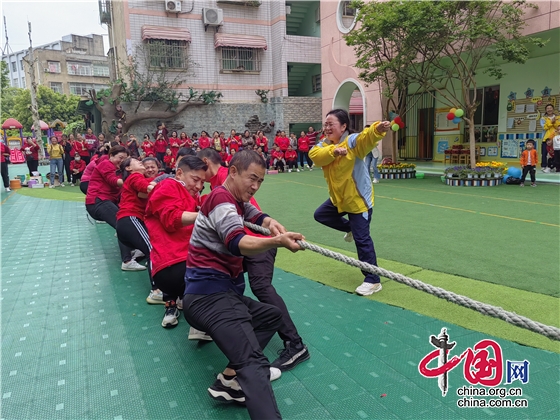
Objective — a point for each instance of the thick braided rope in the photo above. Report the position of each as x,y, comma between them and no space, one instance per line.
483,308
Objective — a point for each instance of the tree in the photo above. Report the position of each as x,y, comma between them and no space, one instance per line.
51,105
147,89
439,46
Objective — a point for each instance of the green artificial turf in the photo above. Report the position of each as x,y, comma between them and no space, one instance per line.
504,235
67,193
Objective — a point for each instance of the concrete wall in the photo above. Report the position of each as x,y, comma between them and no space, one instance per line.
227,116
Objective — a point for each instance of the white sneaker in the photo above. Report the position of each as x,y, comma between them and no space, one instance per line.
72,185
51,186
62,185
171,317
298,170
100,221
155,297
8,189
195,334
310,169
137,254
179,304
366,289
289,170
546,170
132,265
348,237
275,373
375,181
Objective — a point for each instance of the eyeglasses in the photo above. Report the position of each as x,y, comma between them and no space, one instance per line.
329,125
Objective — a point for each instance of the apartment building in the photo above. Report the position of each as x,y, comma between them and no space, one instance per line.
234,47
72,65
501,128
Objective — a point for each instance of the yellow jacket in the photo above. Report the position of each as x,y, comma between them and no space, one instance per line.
55,152
348,179
550,127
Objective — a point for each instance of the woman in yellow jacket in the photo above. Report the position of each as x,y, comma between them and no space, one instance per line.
341,155
550,122
56,156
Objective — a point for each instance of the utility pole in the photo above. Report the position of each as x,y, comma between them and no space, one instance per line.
33,89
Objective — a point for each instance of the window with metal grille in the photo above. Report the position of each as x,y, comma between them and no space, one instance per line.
102,71
167,53
53,66
14,66
56,87
80,88
316,81
240,59
79,69
347,10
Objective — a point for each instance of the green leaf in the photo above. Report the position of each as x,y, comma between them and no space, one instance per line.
89,103
101,103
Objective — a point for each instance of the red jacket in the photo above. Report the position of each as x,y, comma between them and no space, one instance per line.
131,204
86,176
290,155
262,143
160,146
283,143
3,149
81,148
234,144
103,183
186,142
224,155
169,161
148,148
33,150
163,218
174,145
277,154
204,142
303,144
525,157
80,165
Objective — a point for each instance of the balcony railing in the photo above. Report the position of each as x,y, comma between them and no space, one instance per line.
105,11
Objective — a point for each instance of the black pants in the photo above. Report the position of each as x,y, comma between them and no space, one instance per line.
106,211
84,186
328,215
132,232
67,161
292,164
5,176
76,177
171,281
241,327
260,270
557,160
86,159
544,154
302,156
279,165
528,169
160,156
32,165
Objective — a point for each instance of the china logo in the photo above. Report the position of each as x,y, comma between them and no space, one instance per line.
483,363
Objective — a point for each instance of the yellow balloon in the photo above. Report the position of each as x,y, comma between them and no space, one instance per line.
453,110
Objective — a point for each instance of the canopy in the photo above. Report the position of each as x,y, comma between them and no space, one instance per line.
44,126
11,123
243,41
168,33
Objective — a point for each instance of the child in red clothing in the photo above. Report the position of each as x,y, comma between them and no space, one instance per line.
77,167
169,161
230,156
277,160
291,159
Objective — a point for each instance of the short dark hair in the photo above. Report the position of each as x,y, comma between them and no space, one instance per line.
185,151
342,117
243,159
211,154
192,163
531,141
115,150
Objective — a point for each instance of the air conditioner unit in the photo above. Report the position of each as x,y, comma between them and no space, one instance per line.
212,17
172,6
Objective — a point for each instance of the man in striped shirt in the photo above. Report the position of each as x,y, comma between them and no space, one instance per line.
214,301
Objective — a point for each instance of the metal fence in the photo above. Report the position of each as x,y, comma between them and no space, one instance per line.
240,59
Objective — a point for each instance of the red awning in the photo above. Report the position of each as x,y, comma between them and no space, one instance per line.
44,126
242,41
356,105
165,32
11,123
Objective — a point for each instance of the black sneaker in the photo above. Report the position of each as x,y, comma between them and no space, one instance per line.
227,390
171,317
291,356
